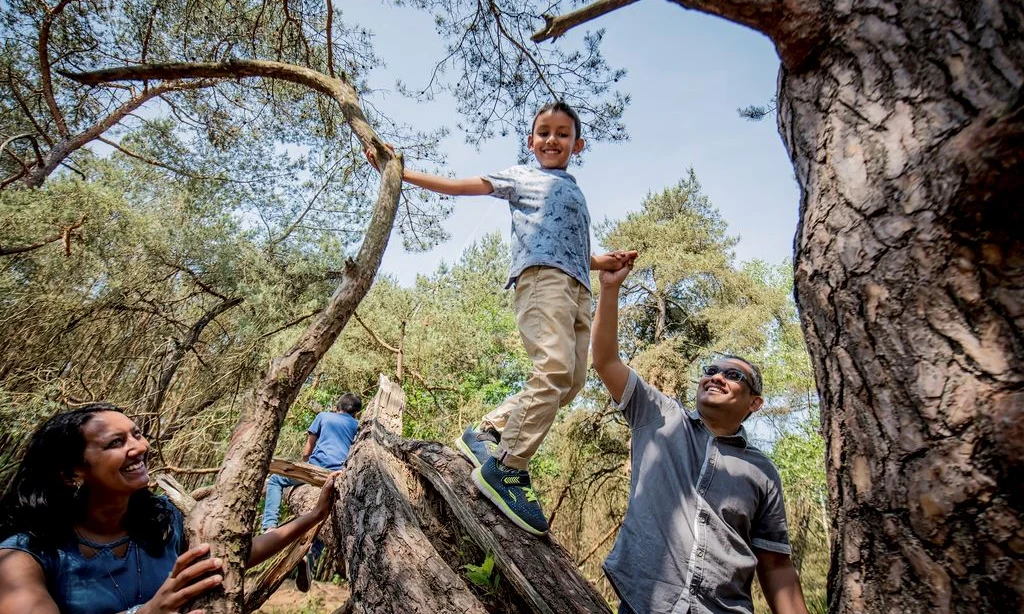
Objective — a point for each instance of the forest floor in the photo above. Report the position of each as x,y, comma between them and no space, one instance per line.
322,598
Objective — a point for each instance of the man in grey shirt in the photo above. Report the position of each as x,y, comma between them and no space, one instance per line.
705,506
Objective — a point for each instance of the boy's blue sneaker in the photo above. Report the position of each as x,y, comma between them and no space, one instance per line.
510,490
476,445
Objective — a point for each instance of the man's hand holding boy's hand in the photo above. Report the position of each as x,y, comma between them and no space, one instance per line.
614,279
613,261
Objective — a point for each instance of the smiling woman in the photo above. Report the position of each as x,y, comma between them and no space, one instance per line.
82,533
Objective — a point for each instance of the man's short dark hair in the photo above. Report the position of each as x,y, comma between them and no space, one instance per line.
560,106
756,386
350,403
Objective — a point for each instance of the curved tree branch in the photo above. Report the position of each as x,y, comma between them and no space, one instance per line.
337,88
64,235
44,65
557,26
797,27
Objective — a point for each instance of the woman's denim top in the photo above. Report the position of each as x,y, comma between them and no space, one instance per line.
103,583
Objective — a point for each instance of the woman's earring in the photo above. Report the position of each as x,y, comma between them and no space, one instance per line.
77,488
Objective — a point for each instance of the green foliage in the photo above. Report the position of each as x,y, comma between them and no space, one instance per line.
686,299
484,575
457,332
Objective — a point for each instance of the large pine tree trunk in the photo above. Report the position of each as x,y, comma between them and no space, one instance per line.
905,124
906,134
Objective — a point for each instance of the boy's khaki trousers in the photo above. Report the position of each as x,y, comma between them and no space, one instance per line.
553,314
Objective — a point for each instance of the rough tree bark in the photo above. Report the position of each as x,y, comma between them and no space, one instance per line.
225,518
905,124
410,518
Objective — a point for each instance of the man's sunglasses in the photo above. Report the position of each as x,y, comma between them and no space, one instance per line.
733,375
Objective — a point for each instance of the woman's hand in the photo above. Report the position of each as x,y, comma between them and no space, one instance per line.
188,580
266,545
327,494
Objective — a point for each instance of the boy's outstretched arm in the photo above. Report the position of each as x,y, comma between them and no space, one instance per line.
604,337
470,186
612,261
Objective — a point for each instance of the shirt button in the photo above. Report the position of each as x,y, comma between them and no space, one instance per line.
700,553
693,591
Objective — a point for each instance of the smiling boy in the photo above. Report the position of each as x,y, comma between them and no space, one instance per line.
705,506
551,264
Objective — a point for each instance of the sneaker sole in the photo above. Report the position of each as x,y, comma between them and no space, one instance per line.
462,447
496,499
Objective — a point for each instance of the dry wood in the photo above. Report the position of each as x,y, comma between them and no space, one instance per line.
386,512
176,494
310,474
259,587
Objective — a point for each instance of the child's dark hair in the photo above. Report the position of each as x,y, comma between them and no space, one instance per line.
559,106
350,403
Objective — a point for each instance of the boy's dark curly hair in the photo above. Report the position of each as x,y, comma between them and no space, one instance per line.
562,107
40,497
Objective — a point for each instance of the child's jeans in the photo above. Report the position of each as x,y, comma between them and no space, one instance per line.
553,314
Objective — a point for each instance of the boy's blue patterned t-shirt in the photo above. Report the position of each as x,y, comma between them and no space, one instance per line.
550,220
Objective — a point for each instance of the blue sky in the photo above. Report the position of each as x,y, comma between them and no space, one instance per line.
688,73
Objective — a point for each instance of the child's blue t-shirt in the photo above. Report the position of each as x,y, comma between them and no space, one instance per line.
335,432
550,220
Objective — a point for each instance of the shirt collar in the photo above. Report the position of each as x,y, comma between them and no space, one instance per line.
739,438
557,172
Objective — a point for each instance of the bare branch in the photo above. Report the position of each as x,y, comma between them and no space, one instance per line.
298,320
797,27
557,26
604,538
44,65
24,167
150,161
376,338
310,474
540,70
337,88
330,41
188,470
64,235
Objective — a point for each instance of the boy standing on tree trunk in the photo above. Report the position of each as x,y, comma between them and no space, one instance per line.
551,264
705,506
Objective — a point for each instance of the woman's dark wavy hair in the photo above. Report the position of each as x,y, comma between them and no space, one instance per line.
41,495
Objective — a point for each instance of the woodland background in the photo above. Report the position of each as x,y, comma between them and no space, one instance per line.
164,237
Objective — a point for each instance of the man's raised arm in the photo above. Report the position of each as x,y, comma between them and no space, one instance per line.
604,338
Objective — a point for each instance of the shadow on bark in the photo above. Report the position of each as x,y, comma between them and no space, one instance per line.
411,522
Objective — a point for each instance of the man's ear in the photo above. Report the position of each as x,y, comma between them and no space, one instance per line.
755,404
578,146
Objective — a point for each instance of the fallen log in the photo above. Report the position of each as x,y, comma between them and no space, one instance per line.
412,524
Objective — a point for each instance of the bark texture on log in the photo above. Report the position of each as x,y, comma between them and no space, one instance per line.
907,136
410,518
